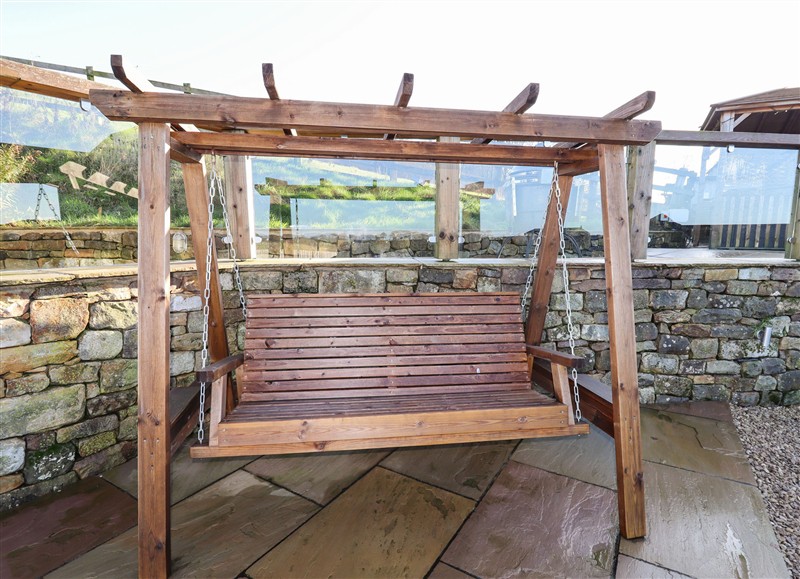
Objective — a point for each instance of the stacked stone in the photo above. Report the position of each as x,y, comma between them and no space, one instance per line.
48,248
68,350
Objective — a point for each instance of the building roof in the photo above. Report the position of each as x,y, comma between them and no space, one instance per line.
774,111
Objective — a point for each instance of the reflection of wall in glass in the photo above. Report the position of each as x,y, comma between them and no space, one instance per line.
18,202
356,215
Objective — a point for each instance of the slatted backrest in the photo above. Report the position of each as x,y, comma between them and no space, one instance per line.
334,345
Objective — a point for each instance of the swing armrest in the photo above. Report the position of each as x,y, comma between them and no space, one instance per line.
561,358
219,368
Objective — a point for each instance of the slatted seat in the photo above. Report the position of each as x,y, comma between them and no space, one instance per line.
336,372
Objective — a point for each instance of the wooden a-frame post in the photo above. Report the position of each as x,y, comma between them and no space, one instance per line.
622,341
153,361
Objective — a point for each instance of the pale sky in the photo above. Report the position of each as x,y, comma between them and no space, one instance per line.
587,56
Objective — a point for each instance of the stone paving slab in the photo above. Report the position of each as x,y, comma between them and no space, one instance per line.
215,533
701,408
385,525
319,477
45,534
630,568
696,444
466,469
705,526
442,571
588,458
188,475
535,523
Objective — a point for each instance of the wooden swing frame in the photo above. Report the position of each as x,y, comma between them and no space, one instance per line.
584,144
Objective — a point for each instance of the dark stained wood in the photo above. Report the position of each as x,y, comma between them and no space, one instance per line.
562,358
402,98
226,112
268,74
277,146
197,199
723,139
562,389
373,388
131,78
184,406
629,110
408,331
377,311
219,368
153,365
381,300
624,380
634,107
302,447
385,320
519,104
279,358
546,265
596,403
183,154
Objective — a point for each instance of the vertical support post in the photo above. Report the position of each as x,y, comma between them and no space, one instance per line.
197,199
624,380
239,195
546,267
641,165
194,182
448,184
153,365
793,231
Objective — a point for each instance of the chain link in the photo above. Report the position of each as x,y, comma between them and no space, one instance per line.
67,236
565,279
229,237
212,191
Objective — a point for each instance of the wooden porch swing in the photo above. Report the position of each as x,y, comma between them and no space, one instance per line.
332,372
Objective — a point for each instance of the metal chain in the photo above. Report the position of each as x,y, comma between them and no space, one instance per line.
43,193
537,242
212,191
38,202
229,235
565,278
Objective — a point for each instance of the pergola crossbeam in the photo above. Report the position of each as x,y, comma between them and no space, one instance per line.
225,113
627,111
268,74
519,104
277,146
403,97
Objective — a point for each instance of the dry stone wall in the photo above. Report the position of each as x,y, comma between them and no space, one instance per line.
48,248
68,343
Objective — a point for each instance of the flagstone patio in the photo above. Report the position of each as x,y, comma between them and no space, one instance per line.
538,508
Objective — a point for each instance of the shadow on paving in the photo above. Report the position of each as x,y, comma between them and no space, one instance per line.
540,508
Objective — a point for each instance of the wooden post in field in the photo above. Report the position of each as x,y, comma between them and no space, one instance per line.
153,365
641,165
239,195
448,185
622,339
